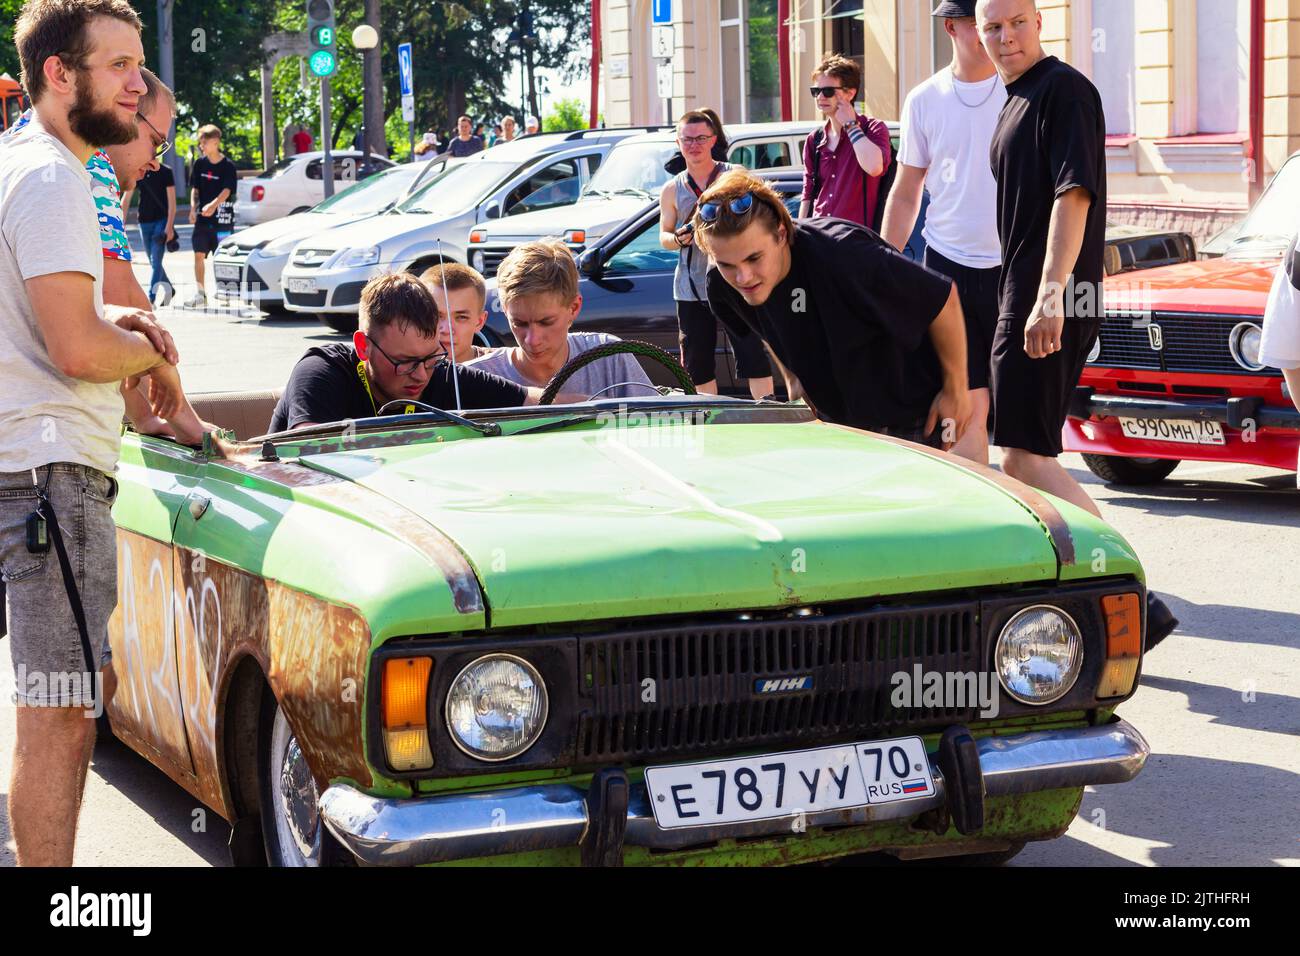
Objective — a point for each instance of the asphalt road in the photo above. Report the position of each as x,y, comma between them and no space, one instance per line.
1219,701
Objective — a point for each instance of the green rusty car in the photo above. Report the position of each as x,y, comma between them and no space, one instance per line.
678,630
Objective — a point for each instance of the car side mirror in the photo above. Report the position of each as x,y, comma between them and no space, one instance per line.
493,210
589,264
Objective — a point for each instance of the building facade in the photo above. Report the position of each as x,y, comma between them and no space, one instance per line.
1197,121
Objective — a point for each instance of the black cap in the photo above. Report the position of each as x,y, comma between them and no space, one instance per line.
955,9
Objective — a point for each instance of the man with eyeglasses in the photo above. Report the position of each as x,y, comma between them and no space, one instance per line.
845,160
394,357
157,217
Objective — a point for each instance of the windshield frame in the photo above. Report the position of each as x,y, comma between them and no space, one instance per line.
407,205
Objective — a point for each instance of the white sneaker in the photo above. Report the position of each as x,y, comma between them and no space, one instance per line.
199,300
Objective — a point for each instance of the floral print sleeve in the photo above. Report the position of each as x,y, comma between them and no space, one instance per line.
108,205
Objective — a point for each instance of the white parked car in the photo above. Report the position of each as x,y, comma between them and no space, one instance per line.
247,265
298,183
327,272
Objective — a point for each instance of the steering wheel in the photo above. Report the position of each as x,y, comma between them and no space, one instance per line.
644,349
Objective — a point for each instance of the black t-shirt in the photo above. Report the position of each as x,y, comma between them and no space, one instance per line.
325,387
1050,138
152,188
209,179
465,147
851,321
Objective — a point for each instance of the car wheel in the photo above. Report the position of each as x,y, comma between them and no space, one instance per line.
292,829
341,323
1115,470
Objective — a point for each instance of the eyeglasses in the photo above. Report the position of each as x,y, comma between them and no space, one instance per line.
695,140
739,206
410,365
160,150
827,91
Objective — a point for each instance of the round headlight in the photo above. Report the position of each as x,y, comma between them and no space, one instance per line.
477,262
496,707
1094,353
1243,343
1039,654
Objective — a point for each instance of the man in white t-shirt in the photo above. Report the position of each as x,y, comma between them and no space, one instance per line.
60,409
947,129
1279,346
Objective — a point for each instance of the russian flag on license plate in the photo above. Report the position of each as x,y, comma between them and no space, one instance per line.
913,786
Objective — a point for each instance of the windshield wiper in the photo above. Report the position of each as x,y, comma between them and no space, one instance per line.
632,191
487,429
557,424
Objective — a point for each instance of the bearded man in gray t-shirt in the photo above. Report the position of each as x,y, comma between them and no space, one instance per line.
60,408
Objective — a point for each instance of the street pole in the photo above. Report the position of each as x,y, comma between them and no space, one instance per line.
167,73
327,162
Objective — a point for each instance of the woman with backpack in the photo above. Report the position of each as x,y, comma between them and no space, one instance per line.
846,160
702,141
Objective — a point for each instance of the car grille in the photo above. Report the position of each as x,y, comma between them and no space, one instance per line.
305,299
492,259
1192,343
311,258
704,696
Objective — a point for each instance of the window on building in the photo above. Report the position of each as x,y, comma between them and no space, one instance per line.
1222,65
843,26
1114,63
751,80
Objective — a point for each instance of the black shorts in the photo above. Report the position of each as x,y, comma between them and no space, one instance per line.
206,238
978,291
697,335
1031,397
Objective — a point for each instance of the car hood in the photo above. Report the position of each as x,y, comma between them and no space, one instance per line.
371,231
290,228
597,216
608,523
1207,285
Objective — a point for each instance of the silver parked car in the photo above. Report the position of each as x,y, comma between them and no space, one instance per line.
327,271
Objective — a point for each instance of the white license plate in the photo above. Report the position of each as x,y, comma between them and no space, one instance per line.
302,285
227,272
1186,432
789,784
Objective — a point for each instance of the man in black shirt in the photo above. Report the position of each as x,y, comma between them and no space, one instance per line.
874,340
212,211
394,357
465,143
157,214
1049,160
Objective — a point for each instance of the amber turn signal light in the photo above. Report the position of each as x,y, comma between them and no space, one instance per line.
478,235
406,692
1123,613
576,236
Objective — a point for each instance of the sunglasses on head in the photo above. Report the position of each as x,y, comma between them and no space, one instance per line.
739,206
827,91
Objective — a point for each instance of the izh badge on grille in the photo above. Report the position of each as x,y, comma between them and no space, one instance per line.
1156,337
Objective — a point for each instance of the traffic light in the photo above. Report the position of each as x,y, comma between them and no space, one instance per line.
321,59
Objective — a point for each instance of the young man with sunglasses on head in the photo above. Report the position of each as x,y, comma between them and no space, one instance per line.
699,134
395,356
844,160
868,337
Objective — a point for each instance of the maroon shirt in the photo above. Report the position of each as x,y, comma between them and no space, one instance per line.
841,177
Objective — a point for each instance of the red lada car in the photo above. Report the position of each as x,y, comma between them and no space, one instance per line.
1176,373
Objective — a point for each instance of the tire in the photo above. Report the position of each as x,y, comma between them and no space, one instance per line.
292,830
344,324
1115,470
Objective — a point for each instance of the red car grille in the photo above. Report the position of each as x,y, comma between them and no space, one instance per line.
1191,343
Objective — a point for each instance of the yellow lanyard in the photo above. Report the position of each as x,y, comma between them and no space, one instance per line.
365,383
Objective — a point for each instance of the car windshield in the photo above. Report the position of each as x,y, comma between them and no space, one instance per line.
460,187
1274,215
370,195
277,169
632,169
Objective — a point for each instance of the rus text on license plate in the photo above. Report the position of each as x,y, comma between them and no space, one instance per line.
302,285
787,784
227,272
1194,432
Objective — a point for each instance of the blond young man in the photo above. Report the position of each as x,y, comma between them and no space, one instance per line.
212,182
461,290
538,286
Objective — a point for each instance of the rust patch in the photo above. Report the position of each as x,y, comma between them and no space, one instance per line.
1042,509
313,654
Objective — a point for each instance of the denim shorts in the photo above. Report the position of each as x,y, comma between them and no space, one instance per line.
45,645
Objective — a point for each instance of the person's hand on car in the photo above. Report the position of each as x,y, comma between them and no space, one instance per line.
138,320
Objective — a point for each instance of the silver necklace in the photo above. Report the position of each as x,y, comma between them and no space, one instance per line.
974,106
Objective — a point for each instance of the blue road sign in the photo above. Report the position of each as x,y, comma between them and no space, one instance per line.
404,68
662,11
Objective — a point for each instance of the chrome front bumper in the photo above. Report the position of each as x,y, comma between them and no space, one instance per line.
412,831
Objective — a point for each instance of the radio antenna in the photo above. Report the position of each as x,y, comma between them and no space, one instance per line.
451,327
